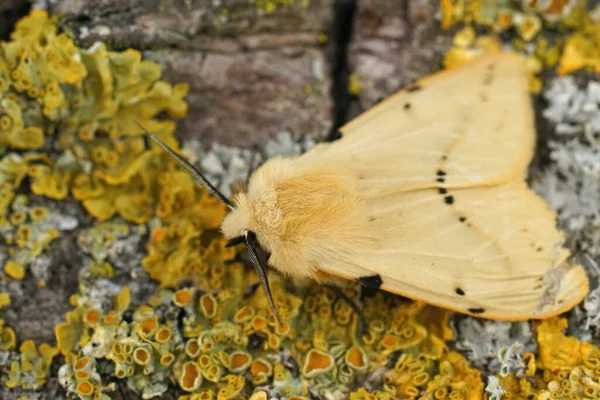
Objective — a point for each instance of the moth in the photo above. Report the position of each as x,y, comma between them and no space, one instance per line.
424,196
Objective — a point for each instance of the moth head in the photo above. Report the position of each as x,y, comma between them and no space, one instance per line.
235,225
237,221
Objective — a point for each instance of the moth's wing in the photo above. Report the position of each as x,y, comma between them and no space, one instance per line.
471,125
492,252
455,147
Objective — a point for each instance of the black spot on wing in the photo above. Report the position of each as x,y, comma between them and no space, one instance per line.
476,310
414,88
449,199
442,190
371,282
440,175
462,219
406,106
459,291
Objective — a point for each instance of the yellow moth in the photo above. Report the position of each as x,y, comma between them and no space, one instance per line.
423,196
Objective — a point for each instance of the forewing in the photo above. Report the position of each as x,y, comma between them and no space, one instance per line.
468,126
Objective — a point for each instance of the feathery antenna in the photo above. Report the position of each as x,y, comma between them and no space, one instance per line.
261,270
197,175
249,237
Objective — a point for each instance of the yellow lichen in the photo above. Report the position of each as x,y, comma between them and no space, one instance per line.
95,96
4,299
31,370
181,240
15,270
557,350
7,337
581,49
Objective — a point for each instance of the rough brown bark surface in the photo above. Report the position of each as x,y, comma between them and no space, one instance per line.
252,73
395,44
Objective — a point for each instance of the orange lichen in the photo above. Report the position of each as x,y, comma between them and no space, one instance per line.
261,367
239,361
85,388
141,356
317,362
182,297
163,335
190,379
70,334
94,96
91,317
208,305
356,358
192,348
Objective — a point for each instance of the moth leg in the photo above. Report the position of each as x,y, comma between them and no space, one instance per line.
333,136
370,284
339,293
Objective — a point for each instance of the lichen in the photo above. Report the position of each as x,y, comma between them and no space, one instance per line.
565,368
30,371
87,101
187,244
570,183
7,337
95,96
578,48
